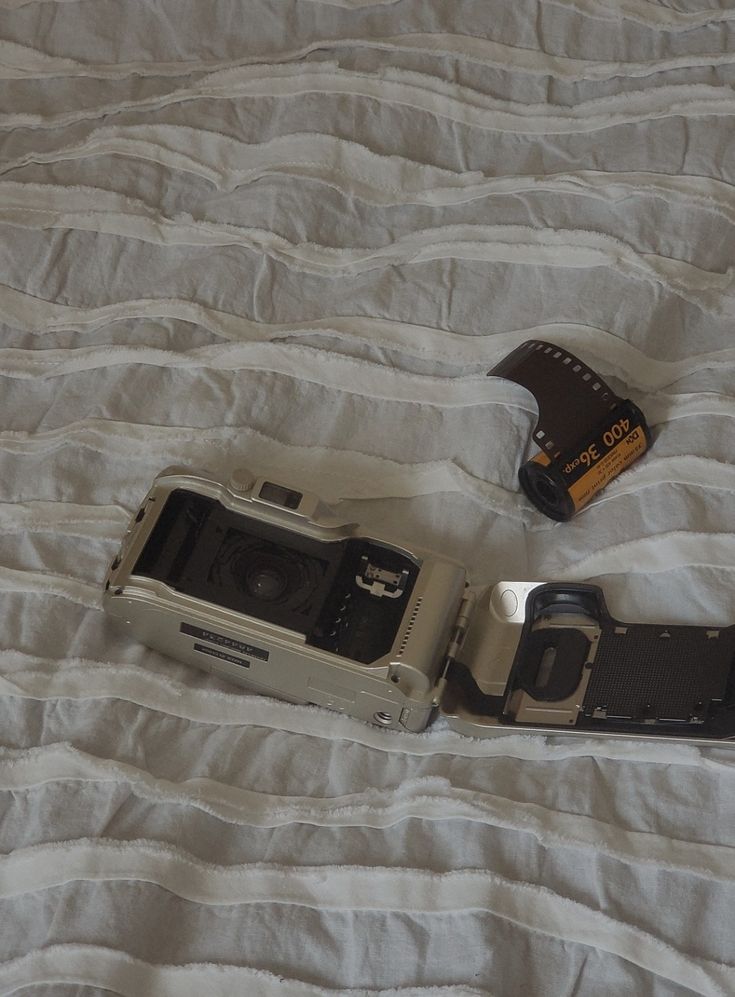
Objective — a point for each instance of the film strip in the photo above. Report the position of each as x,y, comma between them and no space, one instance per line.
586,433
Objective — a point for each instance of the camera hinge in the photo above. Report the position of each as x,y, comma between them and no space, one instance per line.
460,625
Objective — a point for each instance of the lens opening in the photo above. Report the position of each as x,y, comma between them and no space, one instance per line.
266,581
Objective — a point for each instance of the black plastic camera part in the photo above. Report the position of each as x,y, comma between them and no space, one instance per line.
642,678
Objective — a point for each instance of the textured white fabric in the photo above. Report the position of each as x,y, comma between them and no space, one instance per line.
294,235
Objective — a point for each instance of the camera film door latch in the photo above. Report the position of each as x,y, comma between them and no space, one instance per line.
379,581
587,433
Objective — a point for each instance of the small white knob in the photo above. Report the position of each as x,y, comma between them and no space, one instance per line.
241,480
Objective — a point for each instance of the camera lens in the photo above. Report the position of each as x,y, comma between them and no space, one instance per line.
266,581
272,581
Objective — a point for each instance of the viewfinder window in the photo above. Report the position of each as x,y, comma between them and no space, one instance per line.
279,495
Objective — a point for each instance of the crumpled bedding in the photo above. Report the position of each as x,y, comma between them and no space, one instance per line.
294,236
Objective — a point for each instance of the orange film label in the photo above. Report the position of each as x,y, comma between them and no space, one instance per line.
618,447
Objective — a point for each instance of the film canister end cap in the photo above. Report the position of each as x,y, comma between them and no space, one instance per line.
544,485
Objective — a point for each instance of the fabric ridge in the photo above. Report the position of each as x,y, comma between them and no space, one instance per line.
294,236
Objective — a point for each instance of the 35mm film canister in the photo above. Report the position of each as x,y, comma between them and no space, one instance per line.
587,433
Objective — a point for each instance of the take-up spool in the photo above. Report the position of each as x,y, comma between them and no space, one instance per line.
587,433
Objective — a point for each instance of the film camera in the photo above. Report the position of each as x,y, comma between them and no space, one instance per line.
261,583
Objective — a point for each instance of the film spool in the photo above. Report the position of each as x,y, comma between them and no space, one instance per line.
587,433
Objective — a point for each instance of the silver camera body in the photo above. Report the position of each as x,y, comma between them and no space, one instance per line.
261,584
259,617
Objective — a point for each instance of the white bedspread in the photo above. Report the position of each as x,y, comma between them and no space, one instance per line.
294,235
